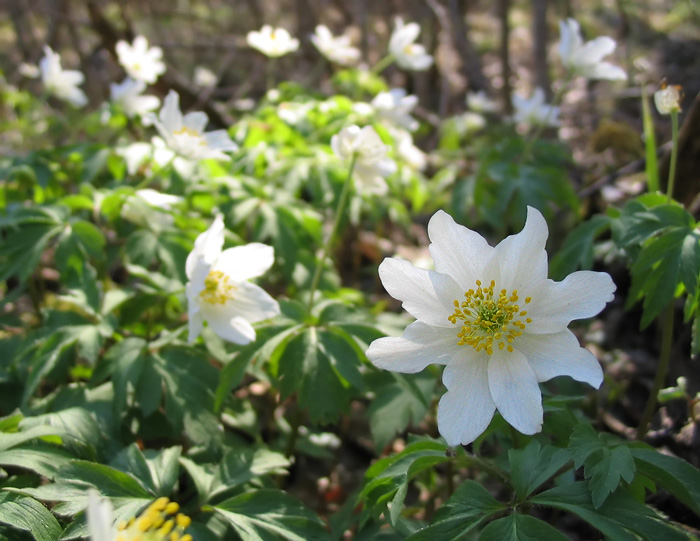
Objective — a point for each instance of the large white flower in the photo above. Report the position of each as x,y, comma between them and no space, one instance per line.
395,107
335,48
141,62
371,164
61,83
534,111
128,95
185,135
494,319
586,59
408,54
160,521
272,42
218,290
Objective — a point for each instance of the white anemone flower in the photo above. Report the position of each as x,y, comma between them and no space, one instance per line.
272,42
408,54
409,152
494,319
218,290
185,135
668,99
371,163
395,107
61,83
204,77
480,102
534,111
150,208
141,62
336,49
128,95
586,59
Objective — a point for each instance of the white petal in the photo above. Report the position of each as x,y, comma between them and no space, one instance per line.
522,258
196,121
466,409
607,71
426,295
250,302
456,250
515,390
419,346
236,330
100,517
170,114
220,140
195,324
594,50
580,295
244,262
559,354
206,249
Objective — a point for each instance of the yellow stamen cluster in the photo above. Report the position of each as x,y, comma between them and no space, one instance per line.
218,288
159,522
187,131
488,319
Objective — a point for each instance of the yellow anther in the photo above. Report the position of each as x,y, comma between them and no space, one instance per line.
218,289
160,521
183,521
187,131
489,318
172,508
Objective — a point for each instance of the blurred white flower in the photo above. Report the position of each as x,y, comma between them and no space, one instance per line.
185,135
29,70
100,518
586,59
491,315
468,123
395,107
668,99
371,165
480,102
128,95
204,77
336,49
135,155
408,55
272,42
294,113
218,290
61,83
150,208
409,152
141,62
534,111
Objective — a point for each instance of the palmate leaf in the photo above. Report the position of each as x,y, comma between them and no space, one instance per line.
606,461
469,507
386,481
577,251
28,515
621,517
518,527
157,471
533,466
271,515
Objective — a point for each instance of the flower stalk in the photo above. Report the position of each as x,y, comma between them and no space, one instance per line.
674,155
342,202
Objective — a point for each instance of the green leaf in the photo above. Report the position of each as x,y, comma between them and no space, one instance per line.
469,506
157,471
386,481
518,527
577,251
533,466
271,515
675,475
43,460
28,515
621,517
108,480
606,461
242,465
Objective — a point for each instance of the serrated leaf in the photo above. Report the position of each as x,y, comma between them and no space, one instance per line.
469,506
271,515
518,527
28,515
577,251
533,466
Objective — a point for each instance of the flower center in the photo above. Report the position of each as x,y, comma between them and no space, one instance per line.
187,131
218,288
159,522
489,318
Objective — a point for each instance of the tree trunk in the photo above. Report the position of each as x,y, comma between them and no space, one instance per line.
539,41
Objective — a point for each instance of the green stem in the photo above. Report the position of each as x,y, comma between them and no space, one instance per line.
270,75
542,125
661,370
384,63
161,171
329,241
674,155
